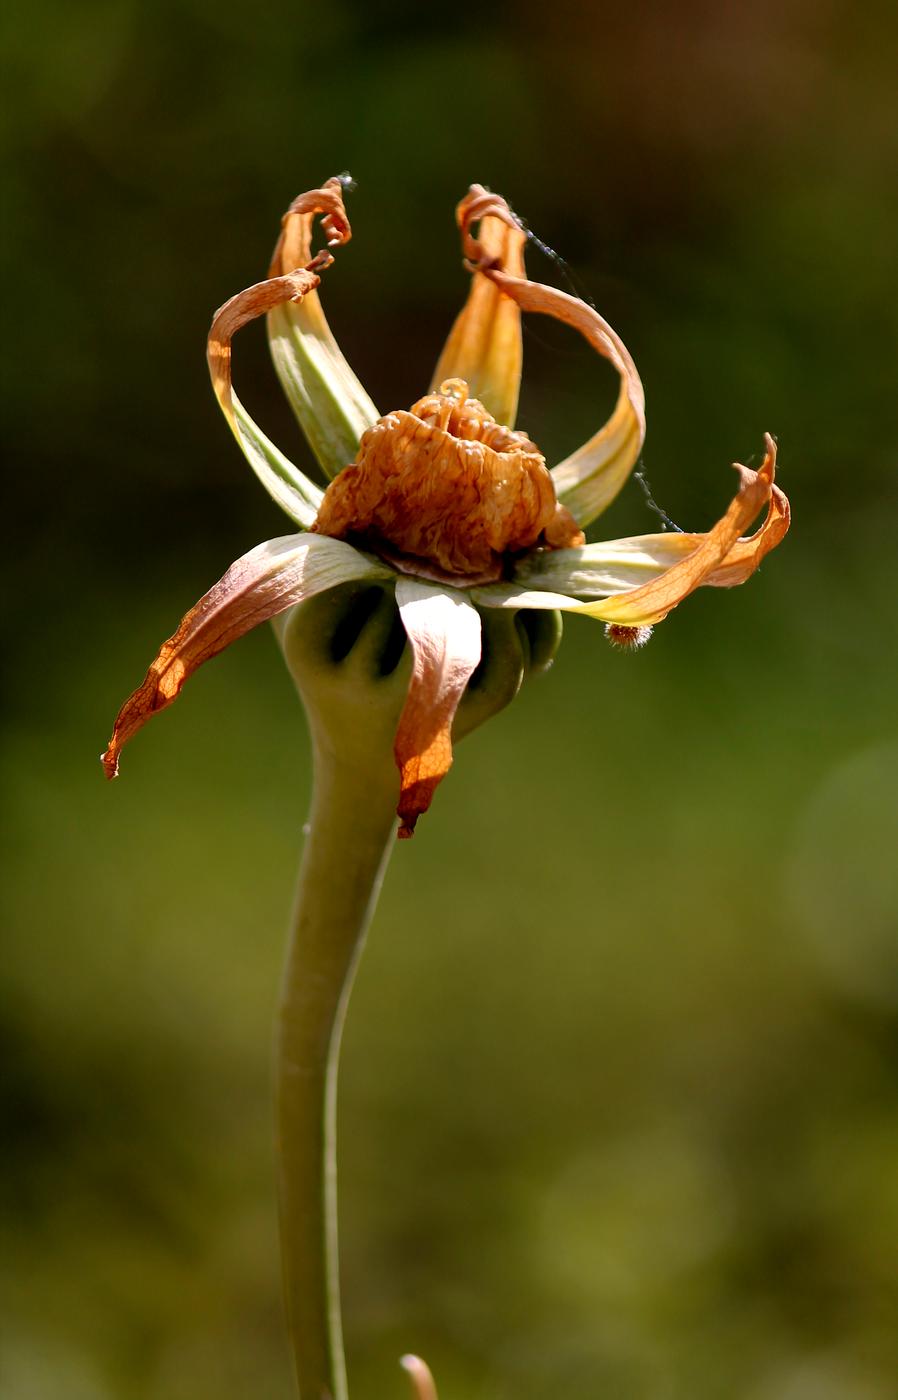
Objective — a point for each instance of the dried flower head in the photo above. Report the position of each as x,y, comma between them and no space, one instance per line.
446,503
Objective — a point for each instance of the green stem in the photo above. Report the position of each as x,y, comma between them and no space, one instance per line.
351,834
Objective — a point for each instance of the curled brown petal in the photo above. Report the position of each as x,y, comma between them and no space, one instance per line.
246,306
292,276
653,601
684,562
615,567
444,632
294,246
258,586
478,204
746,554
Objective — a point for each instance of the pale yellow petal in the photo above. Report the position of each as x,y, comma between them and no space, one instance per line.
292,490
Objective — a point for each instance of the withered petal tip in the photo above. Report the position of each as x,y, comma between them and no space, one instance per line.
109,760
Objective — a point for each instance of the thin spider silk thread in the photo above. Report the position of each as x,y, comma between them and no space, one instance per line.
564,269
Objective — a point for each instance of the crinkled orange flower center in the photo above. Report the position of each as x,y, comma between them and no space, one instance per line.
446,492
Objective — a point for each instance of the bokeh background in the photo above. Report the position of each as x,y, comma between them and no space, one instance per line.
619,1107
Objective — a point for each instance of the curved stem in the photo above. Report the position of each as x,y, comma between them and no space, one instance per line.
351,835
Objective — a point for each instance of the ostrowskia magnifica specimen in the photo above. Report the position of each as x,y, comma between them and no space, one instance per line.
445,504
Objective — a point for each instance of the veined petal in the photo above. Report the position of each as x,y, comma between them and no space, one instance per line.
283,481
588,480
258,586
328,400
720,557
746,554
444,631
616,566
484,346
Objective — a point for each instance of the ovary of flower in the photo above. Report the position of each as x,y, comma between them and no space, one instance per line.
445,502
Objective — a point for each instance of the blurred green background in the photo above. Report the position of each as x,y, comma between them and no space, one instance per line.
619,1106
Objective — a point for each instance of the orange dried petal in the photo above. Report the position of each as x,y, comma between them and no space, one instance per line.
444,633
484,346
445,488
257,587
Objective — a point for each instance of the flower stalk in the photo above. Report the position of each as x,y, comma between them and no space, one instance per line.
345,650
350,839
340,650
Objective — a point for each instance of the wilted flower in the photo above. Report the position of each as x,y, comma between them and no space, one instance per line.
446,502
